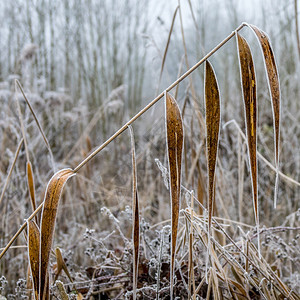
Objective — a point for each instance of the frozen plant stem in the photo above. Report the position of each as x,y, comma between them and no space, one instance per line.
20,230
175,83
125,126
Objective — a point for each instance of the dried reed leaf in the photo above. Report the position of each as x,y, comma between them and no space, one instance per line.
249,96
215,285
212,108
191,276
88,144
200,196
240,287
52,197
34,254
208,297
61,265
274,88
135,214
30,181
174,128
166,48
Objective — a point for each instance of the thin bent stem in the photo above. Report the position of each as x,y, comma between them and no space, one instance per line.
297,27
37,122
11,169
20,230
175,83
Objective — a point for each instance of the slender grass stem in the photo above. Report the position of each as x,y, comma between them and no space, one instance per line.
169,88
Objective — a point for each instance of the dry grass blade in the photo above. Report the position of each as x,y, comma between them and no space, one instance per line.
249,96
30,181
22,125
290,181
52,197
274,88
23,226
191,278
191,84
61,265
174,145
240,287
10,170
135,216
34,254
212,108
297,27
215,285
36,120
167,47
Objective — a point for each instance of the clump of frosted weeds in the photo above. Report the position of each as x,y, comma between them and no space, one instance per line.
164,172
20,289
88,233
294,281
144,226
153,266
3,284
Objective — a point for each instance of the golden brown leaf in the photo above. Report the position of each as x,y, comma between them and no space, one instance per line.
212,107
34,254
30,181
274,88
174,146
249,96
52,197
61,265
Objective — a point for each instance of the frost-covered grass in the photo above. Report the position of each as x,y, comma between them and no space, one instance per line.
93,229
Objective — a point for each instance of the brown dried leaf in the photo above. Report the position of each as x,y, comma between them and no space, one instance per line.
61,265
274,88
135,213
34,254
52,197
200,195
212,106
239,287
249,96
30,181
88,144
174,145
